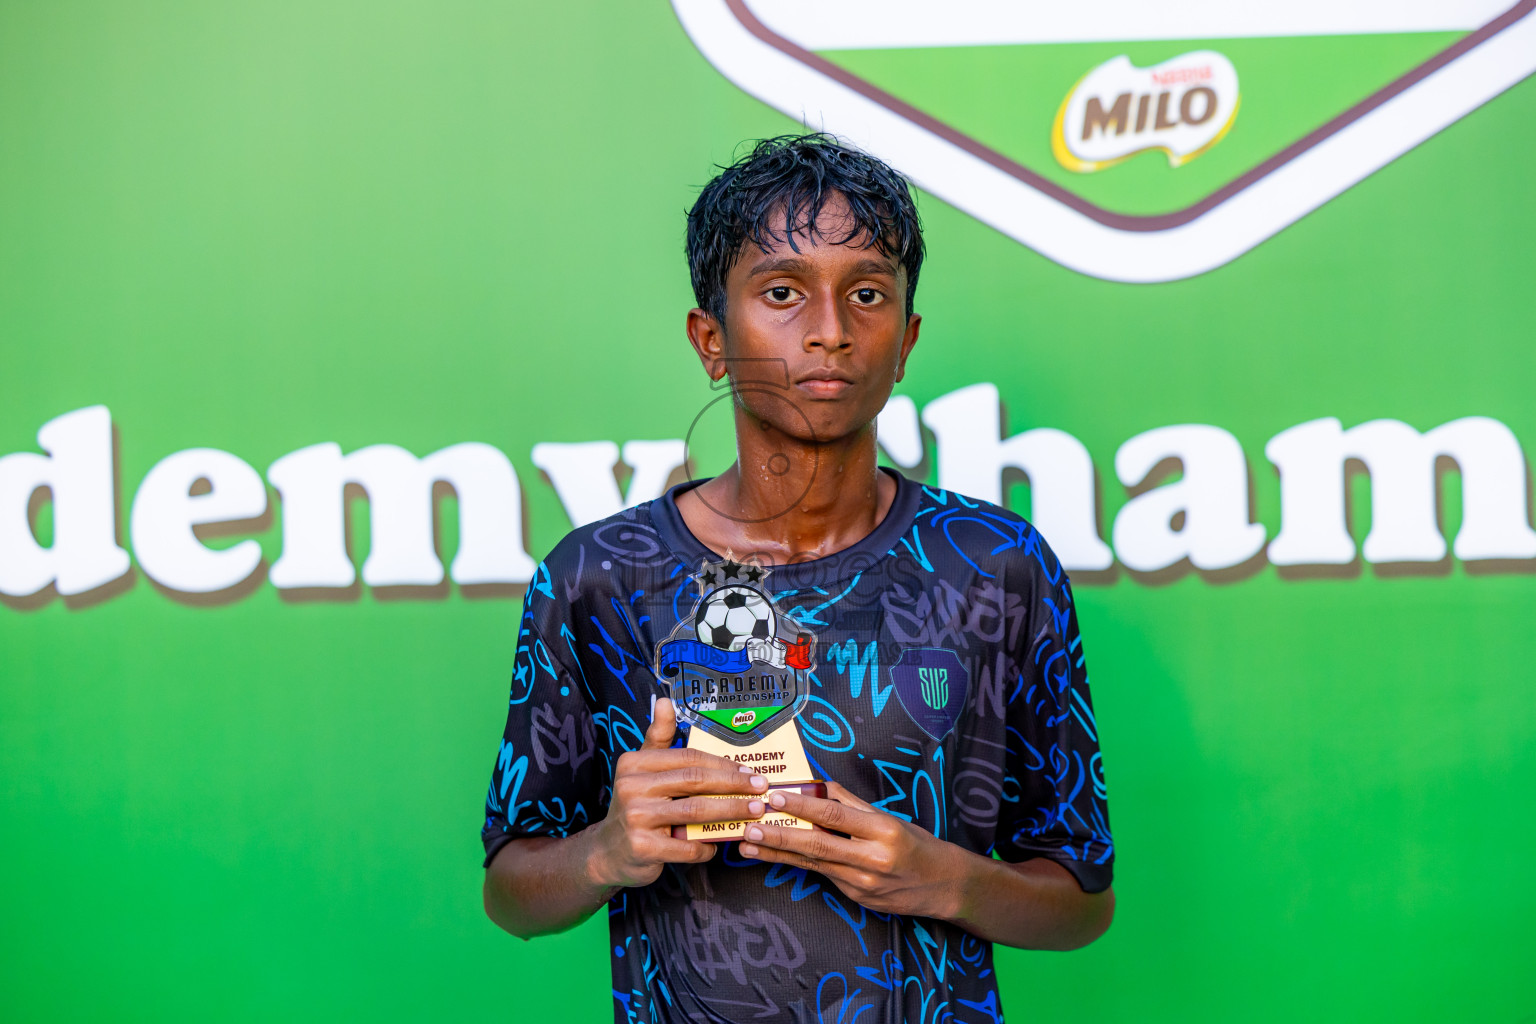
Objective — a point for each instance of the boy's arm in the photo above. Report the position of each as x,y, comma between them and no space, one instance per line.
1033,904
896,867
541,884
535,886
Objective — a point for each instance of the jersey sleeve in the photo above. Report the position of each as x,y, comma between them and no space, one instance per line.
1054,796
546,780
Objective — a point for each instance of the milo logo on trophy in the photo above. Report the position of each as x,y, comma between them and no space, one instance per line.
738,672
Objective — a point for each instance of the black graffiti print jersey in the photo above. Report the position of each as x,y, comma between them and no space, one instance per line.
947,687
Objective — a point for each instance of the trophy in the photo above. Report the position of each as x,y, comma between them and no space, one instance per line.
738,672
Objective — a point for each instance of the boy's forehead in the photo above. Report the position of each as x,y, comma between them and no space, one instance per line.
833,232
833,221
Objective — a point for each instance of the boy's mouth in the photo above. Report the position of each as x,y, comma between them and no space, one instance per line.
824,384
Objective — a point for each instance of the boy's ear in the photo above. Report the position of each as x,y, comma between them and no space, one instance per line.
908,343
707,336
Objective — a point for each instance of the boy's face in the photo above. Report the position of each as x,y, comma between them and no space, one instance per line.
831,318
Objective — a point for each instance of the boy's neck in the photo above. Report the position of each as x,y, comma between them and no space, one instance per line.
785,500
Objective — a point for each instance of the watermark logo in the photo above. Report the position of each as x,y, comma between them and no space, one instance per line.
1183,106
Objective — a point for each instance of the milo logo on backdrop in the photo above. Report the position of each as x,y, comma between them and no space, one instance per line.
1106,136
1182,106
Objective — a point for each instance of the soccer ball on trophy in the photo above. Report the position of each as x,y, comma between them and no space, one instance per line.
733,615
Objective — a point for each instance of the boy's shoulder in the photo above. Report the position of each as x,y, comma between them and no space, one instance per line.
610,555
984,537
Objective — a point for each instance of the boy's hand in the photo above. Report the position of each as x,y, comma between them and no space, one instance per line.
885,864
635,839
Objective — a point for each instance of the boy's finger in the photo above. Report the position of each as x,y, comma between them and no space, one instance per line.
822,848
648,759
689,781
684,851
658,735
840,793
697,810
829,814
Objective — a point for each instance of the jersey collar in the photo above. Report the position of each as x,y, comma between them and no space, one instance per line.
817,572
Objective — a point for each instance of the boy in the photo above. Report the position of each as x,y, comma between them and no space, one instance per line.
947,706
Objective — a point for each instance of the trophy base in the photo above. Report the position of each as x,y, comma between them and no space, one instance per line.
729,831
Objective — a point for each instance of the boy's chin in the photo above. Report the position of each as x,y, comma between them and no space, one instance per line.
837,433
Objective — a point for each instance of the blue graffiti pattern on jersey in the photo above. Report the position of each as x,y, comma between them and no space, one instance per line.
989,741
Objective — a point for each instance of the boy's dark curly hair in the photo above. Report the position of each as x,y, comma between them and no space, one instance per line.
780,188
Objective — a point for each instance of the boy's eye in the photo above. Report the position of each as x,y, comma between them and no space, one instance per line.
780,294
867,296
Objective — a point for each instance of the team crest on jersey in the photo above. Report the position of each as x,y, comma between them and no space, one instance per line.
932,685
736,666
965,98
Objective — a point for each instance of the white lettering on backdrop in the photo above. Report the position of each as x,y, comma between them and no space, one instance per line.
399,486
1401,461
1203,517
582,474
1212,496
967,424
165,511
77,470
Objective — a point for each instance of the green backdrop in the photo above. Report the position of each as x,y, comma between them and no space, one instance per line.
255,227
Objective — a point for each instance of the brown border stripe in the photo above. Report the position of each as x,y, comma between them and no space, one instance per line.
1129,222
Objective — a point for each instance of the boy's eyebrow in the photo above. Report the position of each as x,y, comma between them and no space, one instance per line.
794,264
778,265
869,265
